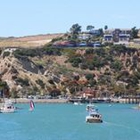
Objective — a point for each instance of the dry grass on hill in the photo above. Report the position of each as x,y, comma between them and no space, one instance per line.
28,41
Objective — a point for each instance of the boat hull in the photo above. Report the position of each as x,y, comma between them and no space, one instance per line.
93,120
7,111
7,107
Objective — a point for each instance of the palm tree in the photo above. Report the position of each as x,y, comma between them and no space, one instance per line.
105,27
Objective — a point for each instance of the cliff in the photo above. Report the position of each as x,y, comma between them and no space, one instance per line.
96,72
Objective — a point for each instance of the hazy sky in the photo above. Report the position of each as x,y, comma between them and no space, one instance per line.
31,17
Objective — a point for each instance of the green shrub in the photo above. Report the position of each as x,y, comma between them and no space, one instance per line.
5,54
24,82
40,82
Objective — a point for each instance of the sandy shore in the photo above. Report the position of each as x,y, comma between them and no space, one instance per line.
25,100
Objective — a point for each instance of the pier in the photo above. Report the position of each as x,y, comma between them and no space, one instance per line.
130,99
124,99
94,100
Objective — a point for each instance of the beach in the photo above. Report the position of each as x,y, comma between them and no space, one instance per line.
26,100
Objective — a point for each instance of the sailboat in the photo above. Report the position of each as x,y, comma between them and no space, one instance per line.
32,105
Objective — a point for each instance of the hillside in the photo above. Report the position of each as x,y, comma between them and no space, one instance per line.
96,72
26,75
28,41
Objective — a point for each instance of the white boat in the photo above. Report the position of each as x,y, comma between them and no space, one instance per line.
7,107
137,107
77,103
90,107
93,115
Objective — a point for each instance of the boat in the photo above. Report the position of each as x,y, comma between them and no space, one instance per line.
93,115
32,105
137,107
7,107
77,103
90,107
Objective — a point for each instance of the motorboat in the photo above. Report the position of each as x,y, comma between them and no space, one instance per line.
7,107
93,115
137,107
77,103
90,107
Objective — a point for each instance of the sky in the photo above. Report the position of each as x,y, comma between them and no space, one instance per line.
32,17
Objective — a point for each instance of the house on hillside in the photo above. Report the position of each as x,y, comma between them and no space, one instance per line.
89,93
90,34
117,36
95,32
108,38
84,36
124,37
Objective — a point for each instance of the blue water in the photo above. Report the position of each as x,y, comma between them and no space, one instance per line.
67,122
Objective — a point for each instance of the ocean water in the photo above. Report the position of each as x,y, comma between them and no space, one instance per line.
67,122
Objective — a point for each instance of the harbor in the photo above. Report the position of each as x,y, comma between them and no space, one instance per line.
67,121
124,99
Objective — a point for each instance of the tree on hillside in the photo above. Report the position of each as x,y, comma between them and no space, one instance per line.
101,32
75,30
4,89
117,65
134,32
105,27
90,27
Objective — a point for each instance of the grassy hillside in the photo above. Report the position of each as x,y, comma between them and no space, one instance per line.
28,41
